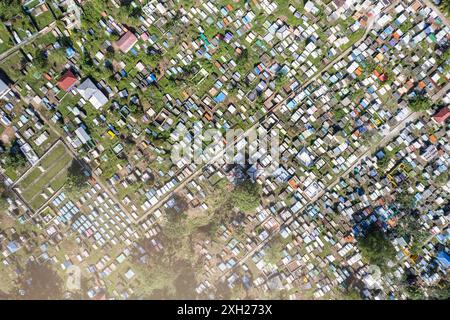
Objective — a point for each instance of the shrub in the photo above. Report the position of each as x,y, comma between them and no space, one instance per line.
246,196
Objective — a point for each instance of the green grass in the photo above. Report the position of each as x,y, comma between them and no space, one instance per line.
46,177
59,181
353,38
44,19
31,177
283,10
5,39
53,177
50,158
37,202
22,24
32,4
42,149
11,173
55,163
11,66
69,100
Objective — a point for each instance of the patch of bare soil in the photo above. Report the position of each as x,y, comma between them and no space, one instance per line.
7,135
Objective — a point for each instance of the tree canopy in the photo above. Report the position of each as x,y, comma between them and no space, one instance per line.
9,9
13,157
376,248
247,195
3,196
274,251
420,103
76,179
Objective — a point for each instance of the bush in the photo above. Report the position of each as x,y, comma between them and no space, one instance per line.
3,196
420,103
76,178
376,248
13,157
274,251
246,196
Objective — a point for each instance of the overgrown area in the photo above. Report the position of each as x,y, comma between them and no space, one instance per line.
376,248
420,103
246,196
274,250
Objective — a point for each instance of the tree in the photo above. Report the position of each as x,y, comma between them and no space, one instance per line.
375,247
13,157
136,12
76,177
243,56
406,201
420,103
441,290
110,53
91,13
3,197
273,253
66,42
446,7
246,196
154,279
41,58
280,79
125,3
442,178
15,160
414,292
352,294
9,9
409,226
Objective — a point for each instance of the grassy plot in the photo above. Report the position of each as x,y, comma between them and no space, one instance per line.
5,39
57,152
11,173
23,26
12,66
51,171
45,178
44,19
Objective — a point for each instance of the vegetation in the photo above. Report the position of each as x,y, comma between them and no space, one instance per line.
406,201
274,251
53,174
420,103
170,272
376,248
3,196
76,177
13,158
339,114
445,6
246,196
388,155
442,179
405,26
410,229
9,9
351,293
415,290
155,279
441,290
